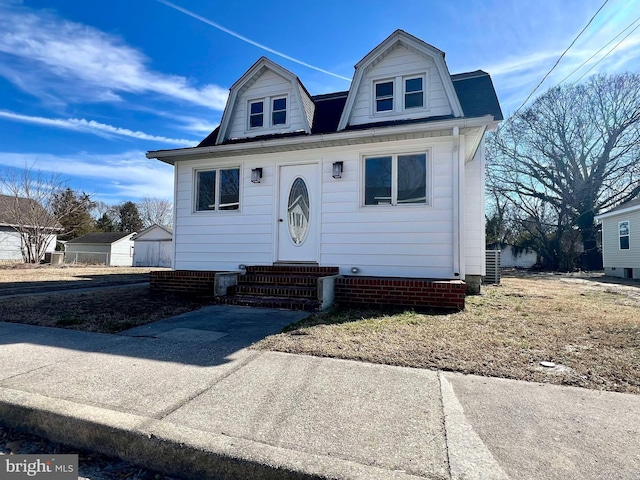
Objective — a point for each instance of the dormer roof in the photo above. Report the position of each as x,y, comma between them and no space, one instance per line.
300,98
400,38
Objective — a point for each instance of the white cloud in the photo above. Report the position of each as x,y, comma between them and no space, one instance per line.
111,178
97,128
44,54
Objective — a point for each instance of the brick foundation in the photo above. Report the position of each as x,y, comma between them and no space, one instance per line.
183,281
413,293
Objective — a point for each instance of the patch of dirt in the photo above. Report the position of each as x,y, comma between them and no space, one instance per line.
92,466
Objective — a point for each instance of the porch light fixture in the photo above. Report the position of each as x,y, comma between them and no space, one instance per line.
256,175
336,172
355,270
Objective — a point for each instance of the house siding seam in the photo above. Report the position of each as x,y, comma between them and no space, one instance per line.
412,293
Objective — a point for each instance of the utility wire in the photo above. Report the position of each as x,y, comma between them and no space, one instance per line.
599,50
560,58
608,53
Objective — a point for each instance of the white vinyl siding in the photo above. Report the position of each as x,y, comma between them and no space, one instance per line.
267,86
402,64
474,221
117,254
613,255
413,241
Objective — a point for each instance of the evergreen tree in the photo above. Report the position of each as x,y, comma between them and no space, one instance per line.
129,218
73,211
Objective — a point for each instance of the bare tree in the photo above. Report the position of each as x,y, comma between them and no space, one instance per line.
573,153
26,205
156,211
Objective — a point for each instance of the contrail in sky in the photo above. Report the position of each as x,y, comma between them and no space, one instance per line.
248,40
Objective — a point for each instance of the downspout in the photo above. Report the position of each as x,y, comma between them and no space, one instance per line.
456,201
175,215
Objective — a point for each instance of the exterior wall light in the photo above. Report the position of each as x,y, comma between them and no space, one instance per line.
336,171
355,270
256,175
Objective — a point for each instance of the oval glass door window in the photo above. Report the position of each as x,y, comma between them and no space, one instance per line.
298,211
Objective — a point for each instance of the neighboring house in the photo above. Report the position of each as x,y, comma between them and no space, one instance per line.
386,179
621,240
15,213
152,247
113,248
512,256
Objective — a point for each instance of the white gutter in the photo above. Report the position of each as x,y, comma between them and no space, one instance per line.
171,156
622,211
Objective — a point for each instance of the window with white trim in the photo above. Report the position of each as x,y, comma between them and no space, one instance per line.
396,180
218,189
400,94
279,111
623,234
413,93
384,96
256,114
268,112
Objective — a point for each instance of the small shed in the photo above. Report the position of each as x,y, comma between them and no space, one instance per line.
153,247
513,256
621,240
111,248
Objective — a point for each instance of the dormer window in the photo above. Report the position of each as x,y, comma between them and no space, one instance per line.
267,113
413,93
401,94
384,96
279,111
256,115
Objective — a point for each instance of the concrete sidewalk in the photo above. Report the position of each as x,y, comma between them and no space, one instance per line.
186,396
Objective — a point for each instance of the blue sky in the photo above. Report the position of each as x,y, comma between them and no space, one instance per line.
87,87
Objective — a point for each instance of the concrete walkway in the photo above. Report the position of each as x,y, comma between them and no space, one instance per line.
187,397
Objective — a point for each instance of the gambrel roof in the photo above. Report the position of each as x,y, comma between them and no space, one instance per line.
469,95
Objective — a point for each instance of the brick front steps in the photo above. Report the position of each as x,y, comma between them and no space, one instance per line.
311,288
291,287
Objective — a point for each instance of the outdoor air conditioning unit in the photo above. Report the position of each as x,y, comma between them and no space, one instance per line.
492,259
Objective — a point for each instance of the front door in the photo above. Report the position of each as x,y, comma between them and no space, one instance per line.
298,212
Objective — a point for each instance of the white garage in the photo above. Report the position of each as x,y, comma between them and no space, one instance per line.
153,247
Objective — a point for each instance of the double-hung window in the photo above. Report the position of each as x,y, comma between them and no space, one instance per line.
256,114
413,93
268,112
399,94
396,180
623,233
279,111
218,189
384,96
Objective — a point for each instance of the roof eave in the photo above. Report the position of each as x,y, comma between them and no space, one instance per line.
171,156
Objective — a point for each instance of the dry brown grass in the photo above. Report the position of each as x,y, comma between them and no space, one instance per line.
590,329
105,310
23,278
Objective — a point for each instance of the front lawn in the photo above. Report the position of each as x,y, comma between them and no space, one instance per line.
589,328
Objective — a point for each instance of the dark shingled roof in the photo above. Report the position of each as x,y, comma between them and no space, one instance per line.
18,210
100,237
474,89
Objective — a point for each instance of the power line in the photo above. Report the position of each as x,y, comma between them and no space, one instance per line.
560,58
608,53
599,50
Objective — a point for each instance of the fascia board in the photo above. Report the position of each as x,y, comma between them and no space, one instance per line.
172,156
624,211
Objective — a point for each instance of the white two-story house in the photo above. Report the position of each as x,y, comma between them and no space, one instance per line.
383,180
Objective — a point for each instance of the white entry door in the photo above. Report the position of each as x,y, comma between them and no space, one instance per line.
298,213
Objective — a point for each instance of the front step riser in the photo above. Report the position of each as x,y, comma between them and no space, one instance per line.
275,291
281,280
